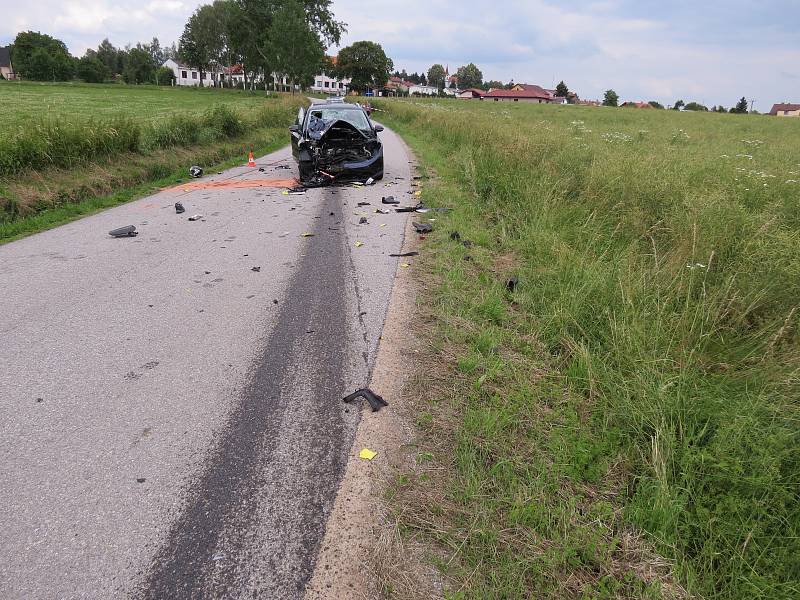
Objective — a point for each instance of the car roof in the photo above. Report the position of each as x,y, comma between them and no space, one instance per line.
337,105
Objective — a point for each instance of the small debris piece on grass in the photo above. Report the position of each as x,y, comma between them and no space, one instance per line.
389,200
195,171
455,236
375,401
359,244
195,217
128,231
418,193
367,454
179,208
363,221
423,227
256,269
512,283
404,254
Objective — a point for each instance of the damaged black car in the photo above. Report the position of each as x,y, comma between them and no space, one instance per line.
336,141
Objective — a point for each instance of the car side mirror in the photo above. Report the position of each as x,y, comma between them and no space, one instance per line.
294,128
378,128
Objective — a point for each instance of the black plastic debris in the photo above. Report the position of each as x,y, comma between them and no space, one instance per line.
364,203
512,283
390,200
195,217
405,209
296,191
455,236
140,480
363,221
129,231
375,401
423,227
467,243
404,254
256,269
179,208
195,171
282,167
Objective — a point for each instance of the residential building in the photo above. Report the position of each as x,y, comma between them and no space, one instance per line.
189,76
472,93
785,109
6,69
536,96
631,104
423,90
327,84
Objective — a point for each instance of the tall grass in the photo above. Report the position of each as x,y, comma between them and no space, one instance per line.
643,378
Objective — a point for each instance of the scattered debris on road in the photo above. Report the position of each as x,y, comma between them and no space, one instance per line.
383,211
306,234
140,480
364,203
363,221
195,217
423,227
404,255
195,171
367,454
129,231
359,244
256,269
375,401
295,191
389,200
179,208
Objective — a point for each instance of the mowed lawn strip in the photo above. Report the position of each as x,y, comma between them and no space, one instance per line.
624,422
68,163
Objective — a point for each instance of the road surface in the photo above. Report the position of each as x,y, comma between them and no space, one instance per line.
171,423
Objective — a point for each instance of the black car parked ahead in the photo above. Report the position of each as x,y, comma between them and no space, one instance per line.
336,141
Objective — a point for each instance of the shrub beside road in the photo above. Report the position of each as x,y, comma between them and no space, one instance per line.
624,423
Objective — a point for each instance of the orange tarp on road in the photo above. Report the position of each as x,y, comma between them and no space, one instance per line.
235,184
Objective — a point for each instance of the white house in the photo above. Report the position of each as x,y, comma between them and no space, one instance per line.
325,84
185,75
423,90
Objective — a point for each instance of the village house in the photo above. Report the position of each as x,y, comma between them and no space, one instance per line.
533,94
423,90
783,109
631,104
472,93
188,76
6,69
326,84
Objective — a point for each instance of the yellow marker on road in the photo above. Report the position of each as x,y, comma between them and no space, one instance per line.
367,454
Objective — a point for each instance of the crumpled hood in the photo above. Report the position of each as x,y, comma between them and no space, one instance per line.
337,128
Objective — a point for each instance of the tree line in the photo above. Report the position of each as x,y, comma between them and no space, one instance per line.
263,36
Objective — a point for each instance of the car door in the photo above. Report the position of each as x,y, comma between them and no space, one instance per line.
296,132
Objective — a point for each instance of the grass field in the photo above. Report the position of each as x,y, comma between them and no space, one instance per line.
26,103
68,148
625,422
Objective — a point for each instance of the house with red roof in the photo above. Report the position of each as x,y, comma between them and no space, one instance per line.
534,94
471,93
785,109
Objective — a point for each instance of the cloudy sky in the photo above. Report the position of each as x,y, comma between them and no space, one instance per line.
714,51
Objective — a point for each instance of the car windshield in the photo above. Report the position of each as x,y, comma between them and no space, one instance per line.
320,117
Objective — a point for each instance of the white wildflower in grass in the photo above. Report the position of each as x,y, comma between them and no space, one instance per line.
613,137
791,181
680,137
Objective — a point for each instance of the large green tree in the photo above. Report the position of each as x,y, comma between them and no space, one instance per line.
91,69
562,91
139,66
110,56
201,41
741,107
436,75
610,98
296,50
469,76
366,64
41,57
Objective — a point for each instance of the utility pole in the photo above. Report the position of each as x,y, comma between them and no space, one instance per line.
752,102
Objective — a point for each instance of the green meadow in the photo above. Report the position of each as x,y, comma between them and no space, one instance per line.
624,423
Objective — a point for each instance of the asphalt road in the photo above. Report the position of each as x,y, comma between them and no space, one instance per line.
171,423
